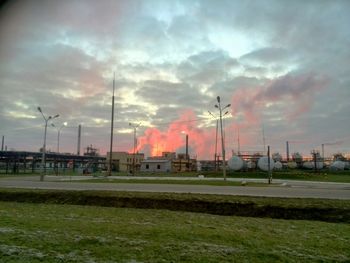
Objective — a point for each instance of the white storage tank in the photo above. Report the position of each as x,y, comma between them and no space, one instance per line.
311,165
308,165
263,163
251,165
278,165
319,165
292,165
235,163
337,165
347,165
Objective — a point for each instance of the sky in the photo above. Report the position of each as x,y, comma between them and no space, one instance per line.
284,66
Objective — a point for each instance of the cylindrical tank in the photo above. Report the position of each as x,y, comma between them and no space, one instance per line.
278,165
292,165
263,163
235,163
337,165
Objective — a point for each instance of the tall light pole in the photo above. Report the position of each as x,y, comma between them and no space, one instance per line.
134,126
58,134
218,106
112,124
43,160
216,140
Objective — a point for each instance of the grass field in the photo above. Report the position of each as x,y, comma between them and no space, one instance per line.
66,233
328,210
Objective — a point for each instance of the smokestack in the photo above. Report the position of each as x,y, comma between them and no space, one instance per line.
187,157
287,145
2,143
79,138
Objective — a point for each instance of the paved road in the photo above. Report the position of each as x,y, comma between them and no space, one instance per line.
297,189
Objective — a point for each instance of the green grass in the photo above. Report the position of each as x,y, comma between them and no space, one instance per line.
287,208
66,233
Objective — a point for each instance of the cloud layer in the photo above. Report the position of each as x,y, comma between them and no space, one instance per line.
283,66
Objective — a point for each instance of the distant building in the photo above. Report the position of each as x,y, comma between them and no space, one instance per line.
179,163
123,161
154,165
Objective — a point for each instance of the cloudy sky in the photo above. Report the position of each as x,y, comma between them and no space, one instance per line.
284,66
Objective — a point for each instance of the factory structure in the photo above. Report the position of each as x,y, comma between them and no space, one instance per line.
168,162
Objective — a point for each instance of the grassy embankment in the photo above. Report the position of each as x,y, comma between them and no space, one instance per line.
70,233
286,208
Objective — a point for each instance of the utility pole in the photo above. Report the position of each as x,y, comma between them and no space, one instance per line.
269,164
287,149
264,141
133,159
43,159
218,106
79,138
216,141
322,153
238,143
187,157
2,143
112,126
58,134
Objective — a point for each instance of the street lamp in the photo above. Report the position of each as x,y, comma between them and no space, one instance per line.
43,160
58,134
218,106
216,140
134,126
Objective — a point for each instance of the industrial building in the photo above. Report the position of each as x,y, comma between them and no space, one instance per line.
125,162
169,162
31,162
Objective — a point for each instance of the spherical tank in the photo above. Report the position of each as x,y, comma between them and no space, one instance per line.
308,165
292,165
235,163
263,163
337,165
278,165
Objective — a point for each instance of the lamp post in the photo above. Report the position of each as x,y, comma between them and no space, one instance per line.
43,160
218,106
134,126
216,140
58,134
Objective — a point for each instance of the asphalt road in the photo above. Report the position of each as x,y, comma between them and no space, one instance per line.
295,189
